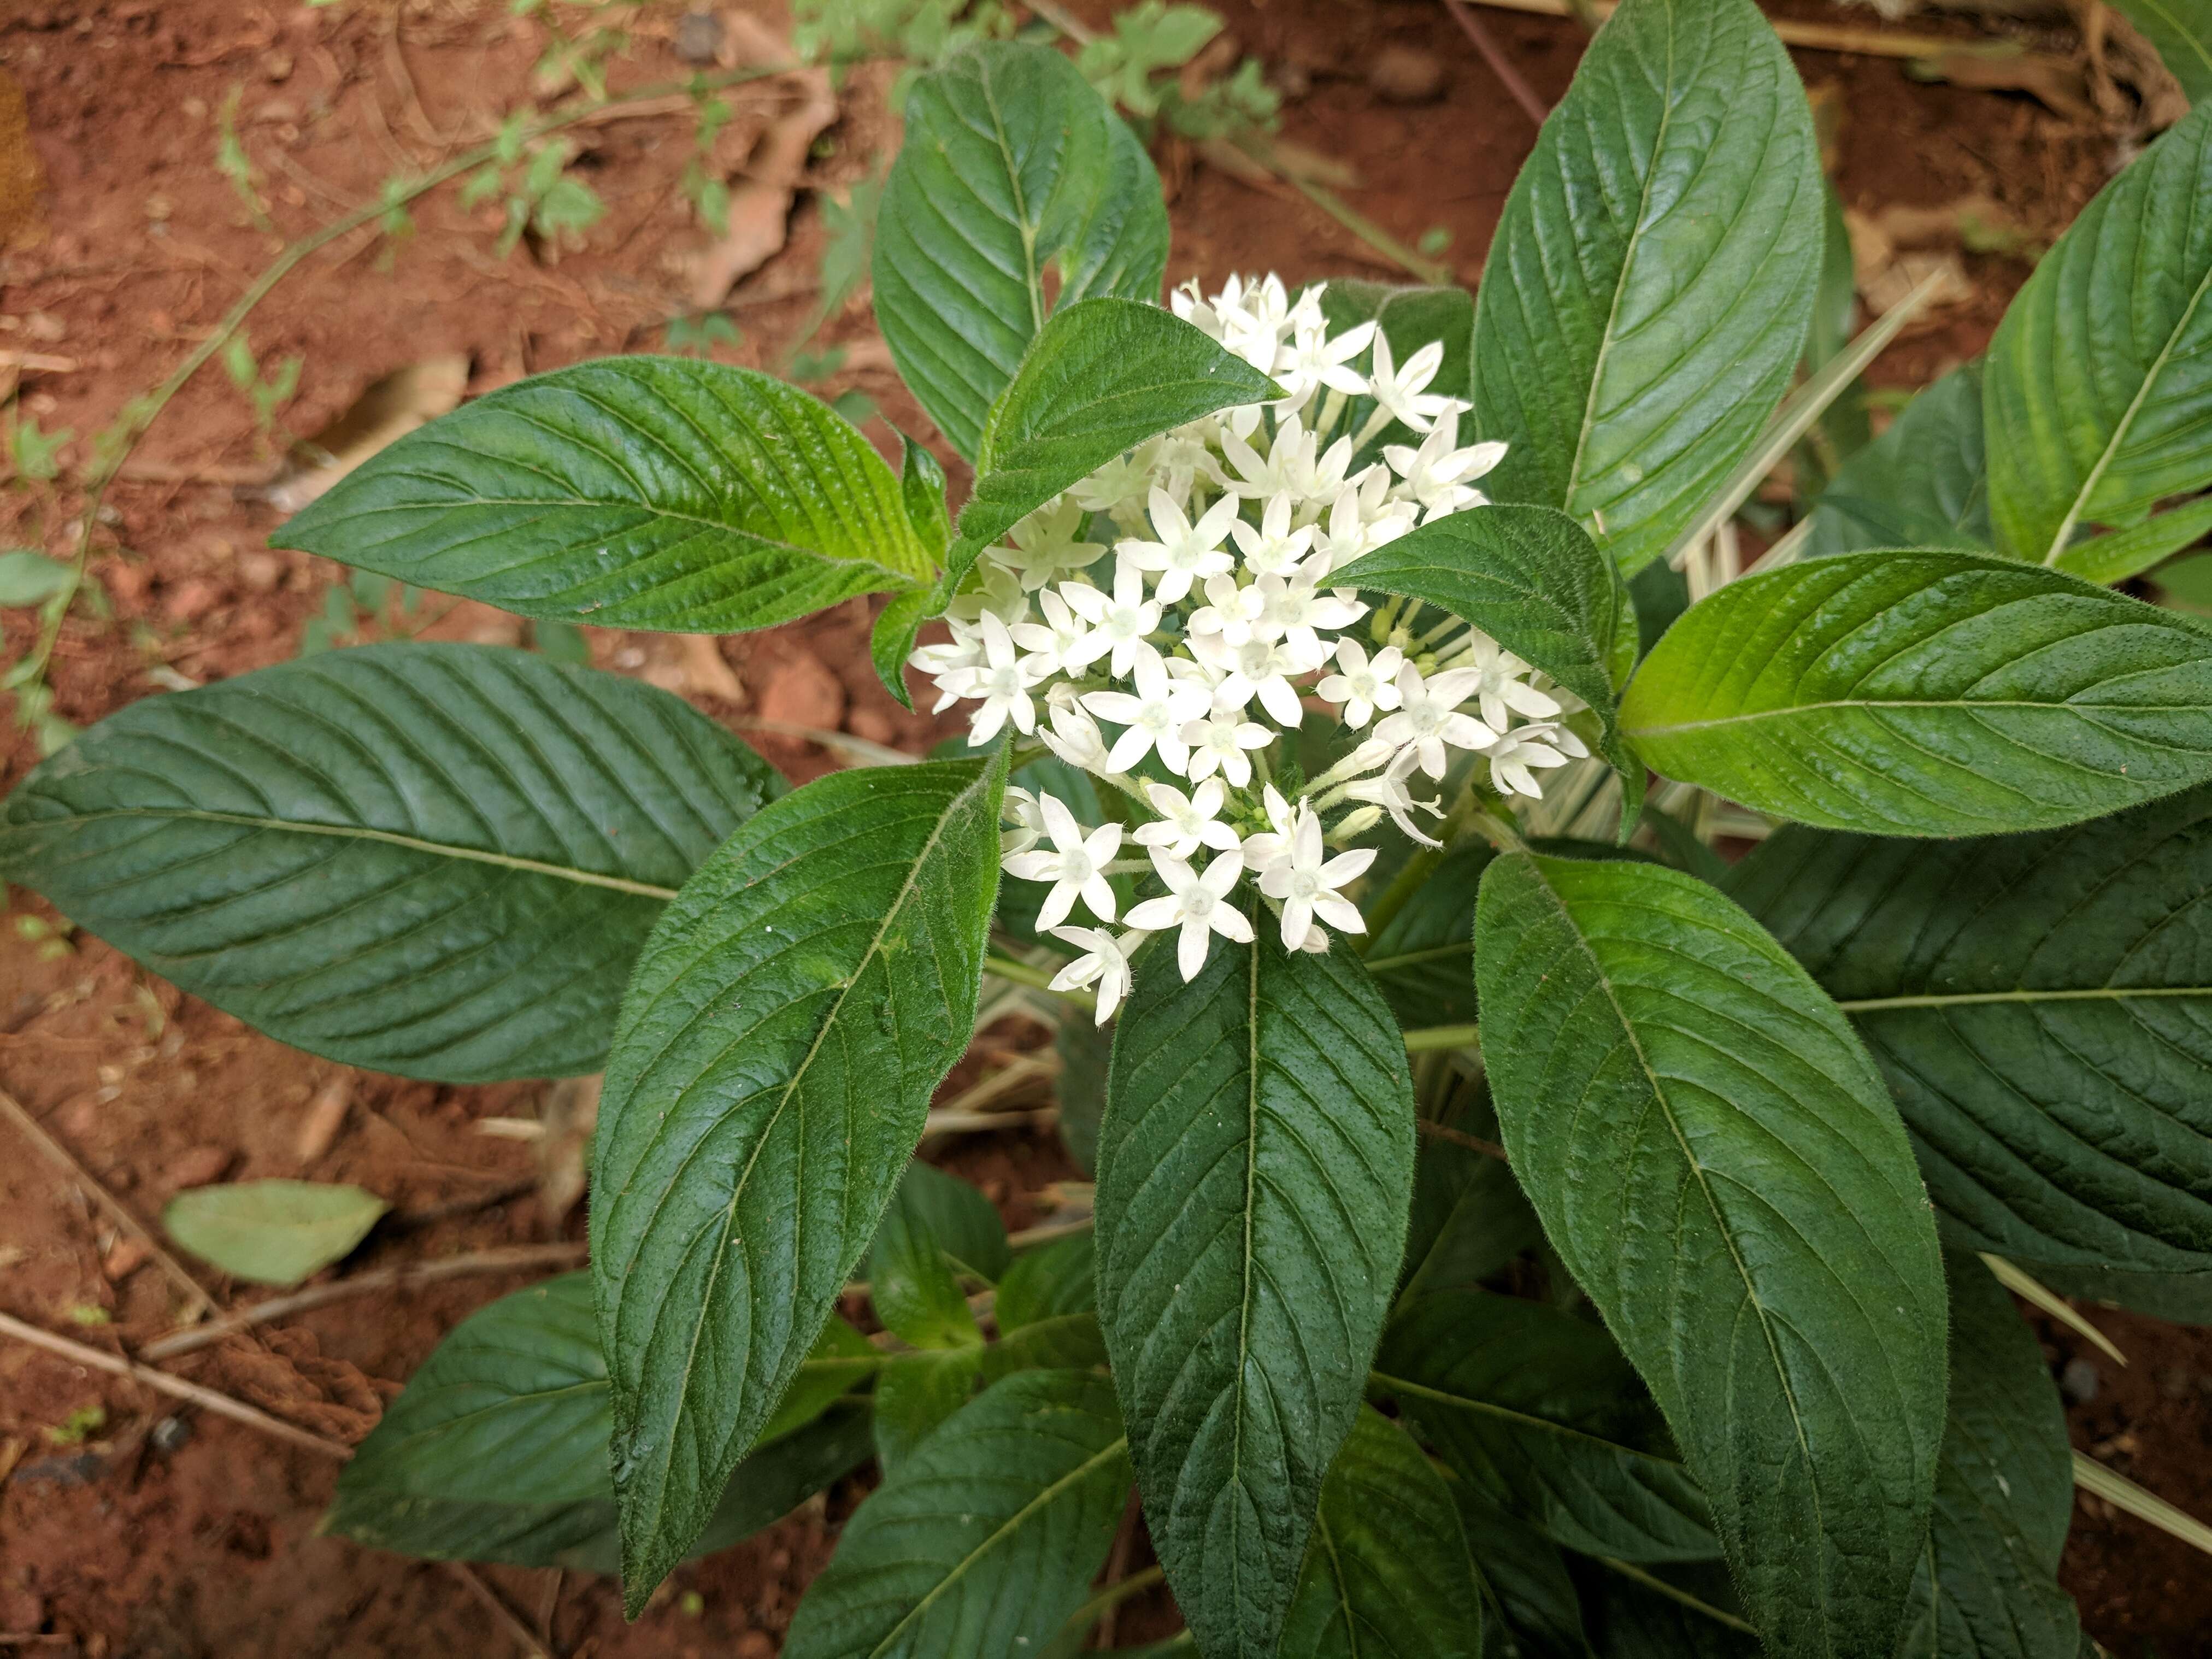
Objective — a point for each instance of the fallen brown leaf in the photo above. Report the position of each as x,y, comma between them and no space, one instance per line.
389,410
707,672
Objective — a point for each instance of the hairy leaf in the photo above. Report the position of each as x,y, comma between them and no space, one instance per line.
1010,164
2099,393
986,1540
1530,1608
2042,1007
434,859
1423,957
1410,318
1628,373
1924,483
2004,1494
785,1025
1468,1219
273,1233
1530,579
1715,1160
917,1392
1537,1408
496,1450
1254,1172
1386,1575
2119,554
1927,694
913,1275
630,492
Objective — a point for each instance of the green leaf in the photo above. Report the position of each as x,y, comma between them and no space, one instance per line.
918,1391
1100,377
273,1233
2040,1005
1627,376
2098,391
1924,483
1047,1310
1010,164
2181,30
921,492
1927,694
2119,554
1469,1219
1085,1049
1409,318
936,1222
1254,1172
1386,1575
987,1538
630,492
1716,1161
1539,1409
1987,1587
1629,1618
1525,1579
27,577
434,859
496,1450
1530,579
783,1033
1422,958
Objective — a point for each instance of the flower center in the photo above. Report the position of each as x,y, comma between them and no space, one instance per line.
1198,902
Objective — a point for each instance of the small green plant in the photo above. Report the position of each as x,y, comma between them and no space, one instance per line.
267,389
79,1426
1515,1228
698,335
1139,67
700,183
52,939
541,196
36,453
232,161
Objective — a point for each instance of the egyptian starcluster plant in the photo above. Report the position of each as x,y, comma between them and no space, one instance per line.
1516,1228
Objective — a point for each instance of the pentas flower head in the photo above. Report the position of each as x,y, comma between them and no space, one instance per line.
1180,669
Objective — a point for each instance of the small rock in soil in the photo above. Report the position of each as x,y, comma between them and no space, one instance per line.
2077,1381
756,1644
1403,75
698,37
125,1259
802,692
261,572
170,1435
197,1167
873,725
192,600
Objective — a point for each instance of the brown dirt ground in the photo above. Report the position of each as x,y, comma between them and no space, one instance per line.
209,1549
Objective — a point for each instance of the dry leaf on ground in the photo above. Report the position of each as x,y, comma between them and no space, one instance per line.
391,407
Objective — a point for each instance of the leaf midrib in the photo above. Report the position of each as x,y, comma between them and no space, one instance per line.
1697,1171
1977,704
1005,1529
388,837
1969,998
1400,1385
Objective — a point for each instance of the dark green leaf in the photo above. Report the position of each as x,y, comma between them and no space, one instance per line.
1050,1282
2182,32
1717,1163
1530,579
496,1450
1010,164
1922,483
1628,376
1254,1173
1422,958
1927,694
434,859
1386,1575
2098,391
1631,1619
2039,1005
273,1233
630,492
921,492
29,577
783,1031
963,1224
987,1538
1535,1408
2119,554
1525,1580
918,1391
1085,1050
1469,1219
2004,1494
937,1228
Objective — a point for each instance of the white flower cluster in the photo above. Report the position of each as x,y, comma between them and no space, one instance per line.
1212,630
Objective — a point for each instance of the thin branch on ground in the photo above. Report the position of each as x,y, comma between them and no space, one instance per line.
1500,64
502,1615
961,1123
518,1259
198,1303
221,1404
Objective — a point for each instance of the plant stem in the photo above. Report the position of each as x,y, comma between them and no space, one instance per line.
1500,65
1431,1037
1021,973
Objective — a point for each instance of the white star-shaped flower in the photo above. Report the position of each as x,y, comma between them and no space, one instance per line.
1024,818
1313,357
1221,742
1428,718
1499,686
1230,610
1076,865
1273,548
1002,682
1186,821
1437,475
1527,746
1196,904
1185,552
1261,668
1361,684
1391,793
1053,644
1403,390
1074,736
1045,544
1290,609
1119,621
1105,961
1155,716
1307,882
